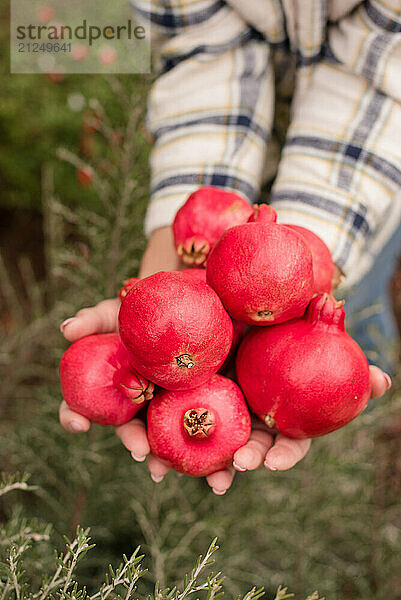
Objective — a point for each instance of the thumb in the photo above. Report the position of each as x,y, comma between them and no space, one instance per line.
102,318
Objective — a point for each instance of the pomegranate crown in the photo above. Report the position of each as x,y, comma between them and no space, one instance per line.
263,213
324,308
135,387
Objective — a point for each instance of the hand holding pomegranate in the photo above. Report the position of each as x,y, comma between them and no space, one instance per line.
277,454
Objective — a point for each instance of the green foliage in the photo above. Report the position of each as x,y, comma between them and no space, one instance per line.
121,583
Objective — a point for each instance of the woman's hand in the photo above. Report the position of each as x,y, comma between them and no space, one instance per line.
277,455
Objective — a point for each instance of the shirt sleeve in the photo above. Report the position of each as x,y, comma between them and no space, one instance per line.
340,172
210,109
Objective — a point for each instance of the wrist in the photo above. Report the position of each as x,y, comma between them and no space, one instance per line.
160,253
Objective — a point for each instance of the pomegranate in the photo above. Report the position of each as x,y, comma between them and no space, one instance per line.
323,265
97,381
262,271
198,431
198,274
239,328
199,223
176,328
307,377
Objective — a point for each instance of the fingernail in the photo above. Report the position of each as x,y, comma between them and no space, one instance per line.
270,467
76,427
219,492
157,478
388,380
65,323
238,468
138,458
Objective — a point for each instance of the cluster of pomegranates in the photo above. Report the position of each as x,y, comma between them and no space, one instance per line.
253,283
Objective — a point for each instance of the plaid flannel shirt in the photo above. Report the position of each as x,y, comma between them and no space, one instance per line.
211,112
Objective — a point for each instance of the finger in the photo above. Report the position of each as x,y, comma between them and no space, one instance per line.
252,455
133,436
285,453
157,467
102,318
221,480
72,421
380,381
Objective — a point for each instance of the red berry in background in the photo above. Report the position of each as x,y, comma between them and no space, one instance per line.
91,120
46,14
55,76
198,431
306,377
79,52
203,218
262,271
176,329
85,176
98,382
107,55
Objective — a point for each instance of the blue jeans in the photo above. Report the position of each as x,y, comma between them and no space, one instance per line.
370,319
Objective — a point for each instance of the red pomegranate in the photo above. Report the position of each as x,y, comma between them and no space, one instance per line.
239,328
203,218
307,377
198,274
198,431
176,328
262,271
323,265
97,381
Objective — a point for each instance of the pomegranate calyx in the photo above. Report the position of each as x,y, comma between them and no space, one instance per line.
265,314
193,251
128,284
185,360
198,422
138,395
133,386
270,421
326,309
263,213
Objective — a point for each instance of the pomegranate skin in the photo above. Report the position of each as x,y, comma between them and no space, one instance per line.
323,265
194,273
176,328
262,272
306,377
200,222
239,328
90,373
203,453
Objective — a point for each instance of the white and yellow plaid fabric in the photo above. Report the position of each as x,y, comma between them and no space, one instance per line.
211,112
